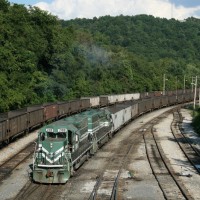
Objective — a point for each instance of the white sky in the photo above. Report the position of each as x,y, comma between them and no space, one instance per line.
70,9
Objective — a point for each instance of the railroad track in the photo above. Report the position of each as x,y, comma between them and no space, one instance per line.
168,181
107,182
9,165
106,186
33,191
190,151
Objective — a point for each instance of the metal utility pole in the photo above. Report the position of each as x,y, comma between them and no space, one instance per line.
195,92
192,83
164,79
184,85
199,97
176,86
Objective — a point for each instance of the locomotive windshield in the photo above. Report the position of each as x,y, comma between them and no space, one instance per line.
51,135
59,135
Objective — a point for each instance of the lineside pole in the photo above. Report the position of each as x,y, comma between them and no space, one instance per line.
195,92
199,97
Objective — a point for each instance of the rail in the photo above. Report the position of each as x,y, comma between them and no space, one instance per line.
115,188
94,191
184,143
169,186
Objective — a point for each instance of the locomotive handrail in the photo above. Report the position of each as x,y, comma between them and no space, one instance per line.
34,153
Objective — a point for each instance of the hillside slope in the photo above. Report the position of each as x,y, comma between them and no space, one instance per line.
44,59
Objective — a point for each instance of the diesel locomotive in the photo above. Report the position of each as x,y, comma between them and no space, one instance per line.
65,144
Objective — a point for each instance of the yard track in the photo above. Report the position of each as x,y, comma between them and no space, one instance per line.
33,191
9,165
168,181
108,184
189,149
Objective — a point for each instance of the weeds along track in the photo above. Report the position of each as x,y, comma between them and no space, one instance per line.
185,143
9,165
168,181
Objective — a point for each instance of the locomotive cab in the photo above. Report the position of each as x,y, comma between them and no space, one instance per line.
53,155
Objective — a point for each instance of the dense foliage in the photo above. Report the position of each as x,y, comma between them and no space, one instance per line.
196,119
44,59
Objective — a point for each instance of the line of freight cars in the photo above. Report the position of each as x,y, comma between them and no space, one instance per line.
23,120
64,145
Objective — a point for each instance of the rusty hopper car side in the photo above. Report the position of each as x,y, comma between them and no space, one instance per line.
104,100
180,98
172,100
157,102
35,115
187,97
3,130
145,106
50,111
164,100
17,123
75,106
85,104
63,109
94,101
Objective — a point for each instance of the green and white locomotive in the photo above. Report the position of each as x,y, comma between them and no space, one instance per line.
65,144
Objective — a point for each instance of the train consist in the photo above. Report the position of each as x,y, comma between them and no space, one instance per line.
64,145
21,121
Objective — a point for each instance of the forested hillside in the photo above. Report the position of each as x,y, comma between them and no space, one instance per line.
43,59
146,36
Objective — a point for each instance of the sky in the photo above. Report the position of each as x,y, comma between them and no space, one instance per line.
71,9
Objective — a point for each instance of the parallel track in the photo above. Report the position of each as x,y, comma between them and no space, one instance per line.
191,152
34,191
109,176
8,166
109,179
168,181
